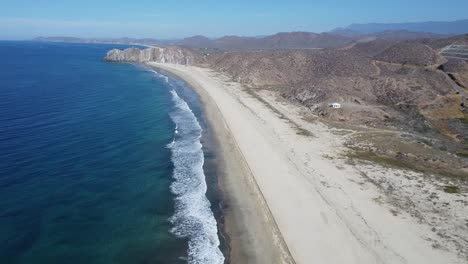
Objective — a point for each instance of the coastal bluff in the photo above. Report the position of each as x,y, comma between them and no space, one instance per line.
174,55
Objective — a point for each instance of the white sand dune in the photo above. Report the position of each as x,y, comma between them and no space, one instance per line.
322,213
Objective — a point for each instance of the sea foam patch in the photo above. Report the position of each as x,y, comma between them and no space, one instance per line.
193,218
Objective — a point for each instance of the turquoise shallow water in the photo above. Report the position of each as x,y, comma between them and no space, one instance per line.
87,162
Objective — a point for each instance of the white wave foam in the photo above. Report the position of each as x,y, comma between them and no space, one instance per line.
171,144
162,76
193,218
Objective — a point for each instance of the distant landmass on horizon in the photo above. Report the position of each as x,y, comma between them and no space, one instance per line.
336,38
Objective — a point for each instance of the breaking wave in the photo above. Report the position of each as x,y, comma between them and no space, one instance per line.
193,218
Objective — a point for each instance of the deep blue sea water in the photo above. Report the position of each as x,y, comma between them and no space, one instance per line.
99,162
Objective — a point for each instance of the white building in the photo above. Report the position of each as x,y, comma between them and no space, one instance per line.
334,105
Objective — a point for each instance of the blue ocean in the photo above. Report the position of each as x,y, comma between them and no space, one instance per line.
100,162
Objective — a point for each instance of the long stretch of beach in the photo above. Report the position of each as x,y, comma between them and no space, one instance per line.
290,199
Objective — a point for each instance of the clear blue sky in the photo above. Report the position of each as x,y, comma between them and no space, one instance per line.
21,19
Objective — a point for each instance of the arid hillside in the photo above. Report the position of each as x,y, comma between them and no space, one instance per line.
292,67
395,74
413,53
459,71
443,42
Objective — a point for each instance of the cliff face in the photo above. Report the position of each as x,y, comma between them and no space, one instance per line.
174,55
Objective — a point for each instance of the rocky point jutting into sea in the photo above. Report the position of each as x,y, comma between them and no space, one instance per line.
174,55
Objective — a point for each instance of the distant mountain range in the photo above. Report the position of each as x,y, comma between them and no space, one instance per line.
285,40
337,38
127,41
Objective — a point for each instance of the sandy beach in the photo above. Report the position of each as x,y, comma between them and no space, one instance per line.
292,199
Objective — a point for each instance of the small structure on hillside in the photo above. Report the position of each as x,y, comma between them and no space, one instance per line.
334,105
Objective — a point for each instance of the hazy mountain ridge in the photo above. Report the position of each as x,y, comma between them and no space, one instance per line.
337,38
125,41
282,40
443,27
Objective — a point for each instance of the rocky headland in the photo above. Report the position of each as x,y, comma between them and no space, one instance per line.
176,55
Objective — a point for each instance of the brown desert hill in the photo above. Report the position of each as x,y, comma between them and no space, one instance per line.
262,68
395,96
374,92
315,78
408,52
290,67
372,48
